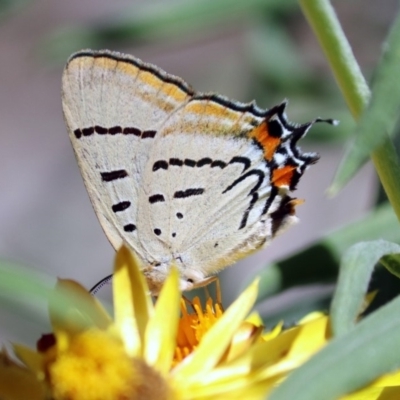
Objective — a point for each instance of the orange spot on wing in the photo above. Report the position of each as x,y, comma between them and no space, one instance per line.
269,143
283,176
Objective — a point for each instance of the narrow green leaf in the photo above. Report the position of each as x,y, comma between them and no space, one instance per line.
379,118
355,272
350,361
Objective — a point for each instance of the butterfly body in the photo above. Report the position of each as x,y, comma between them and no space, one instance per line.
183,178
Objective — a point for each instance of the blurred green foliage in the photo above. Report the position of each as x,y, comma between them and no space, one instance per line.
8,7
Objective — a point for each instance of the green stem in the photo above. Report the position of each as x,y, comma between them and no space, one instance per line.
322,18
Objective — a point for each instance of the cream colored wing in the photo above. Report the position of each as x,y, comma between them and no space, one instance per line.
218,184
114,106
186,179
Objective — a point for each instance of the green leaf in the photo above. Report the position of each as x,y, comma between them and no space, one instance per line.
29,294
379,118
23,291
17,280
355,272
350,361
320,261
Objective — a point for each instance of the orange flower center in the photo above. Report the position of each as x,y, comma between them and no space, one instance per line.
193,326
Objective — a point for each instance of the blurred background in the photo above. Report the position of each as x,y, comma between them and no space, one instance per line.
258,49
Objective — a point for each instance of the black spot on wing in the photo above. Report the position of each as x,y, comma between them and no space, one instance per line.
113,175
87,131
148,134
175,161
274,128
100,130
181,194
78,133
218,163
260,174
189,163
132,131
245,217
115,130
160,164
204,161
129,228
241,160
121,206
156,198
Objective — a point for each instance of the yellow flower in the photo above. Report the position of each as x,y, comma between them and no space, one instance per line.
161,351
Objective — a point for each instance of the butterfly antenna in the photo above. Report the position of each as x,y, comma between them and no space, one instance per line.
100,284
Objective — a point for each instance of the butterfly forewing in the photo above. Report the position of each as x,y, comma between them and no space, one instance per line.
112,121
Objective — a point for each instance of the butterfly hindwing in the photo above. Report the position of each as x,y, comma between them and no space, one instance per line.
211,202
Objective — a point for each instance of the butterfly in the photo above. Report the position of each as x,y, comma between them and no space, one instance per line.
183,178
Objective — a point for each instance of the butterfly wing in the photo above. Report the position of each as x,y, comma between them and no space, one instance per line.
184,178
113,106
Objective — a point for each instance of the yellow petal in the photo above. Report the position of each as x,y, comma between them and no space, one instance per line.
294,347
230,386
312,336
255,319
132,302
274,332
375,393
266,358
243,339
18,383
215,342
161,332
72,308
32,359
392,379
385,388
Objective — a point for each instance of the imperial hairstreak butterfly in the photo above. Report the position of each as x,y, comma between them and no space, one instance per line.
183,178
